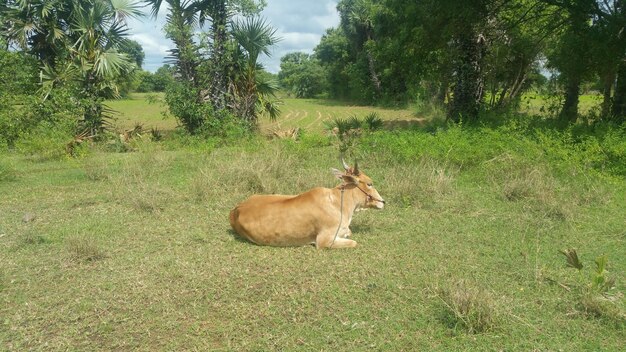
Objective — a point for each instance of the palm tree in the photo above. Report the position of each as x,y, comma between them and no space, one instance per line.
97,30
252,92
180,22
36,26
77,43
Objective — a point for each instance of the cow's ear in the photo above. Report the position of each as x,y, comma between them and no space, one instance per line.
337,173
350,180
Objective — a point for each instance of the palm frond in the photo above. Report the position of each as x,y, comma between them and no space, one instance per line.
124,9
572,258
255,36
110,63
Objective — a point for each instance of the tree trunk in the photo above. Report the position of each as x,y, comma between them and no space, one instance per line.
569,112
607,87
468,91
184,52
373,74
618,112
219,75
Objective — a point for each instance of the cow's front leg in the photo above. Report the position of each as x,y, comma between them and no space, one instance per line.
345,233
328,240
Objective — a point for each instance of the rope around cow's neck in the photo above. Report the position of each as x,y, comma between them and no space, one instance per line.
340,219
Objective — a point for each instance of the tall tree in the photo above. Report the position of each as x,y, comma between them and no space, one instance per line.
255,37
134,51
302,75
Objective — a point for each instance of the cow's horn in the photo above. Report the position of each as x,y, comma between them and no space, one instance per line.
345,166
356,168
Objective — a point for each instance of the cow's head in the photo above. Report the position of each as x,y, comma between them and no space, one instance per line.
355,178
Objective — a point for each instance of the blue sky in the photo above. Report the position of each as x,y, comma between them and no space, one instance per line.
300,24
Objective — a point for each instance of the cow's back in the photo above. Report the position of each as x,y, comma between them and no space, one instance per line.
281,220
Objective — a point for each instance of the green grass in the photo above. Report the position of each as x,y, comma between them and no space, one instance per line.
144,108
134,250
537,104
308,114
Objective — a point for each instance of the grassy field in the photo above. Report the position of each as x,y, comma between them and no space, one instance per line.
308,114
133,251
148,110
143,108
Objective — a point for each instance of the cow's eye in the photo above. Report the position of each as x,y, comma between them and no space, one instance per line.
369,185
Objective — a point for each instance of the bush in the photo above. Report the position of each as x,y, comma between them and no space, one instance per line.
28,126
200,118
48,140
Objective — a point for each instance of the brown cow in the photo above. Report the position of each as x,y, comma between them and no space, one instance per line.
321,216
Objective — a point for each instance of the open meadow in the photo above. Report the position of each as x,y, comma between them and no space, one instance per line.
133,250
148,110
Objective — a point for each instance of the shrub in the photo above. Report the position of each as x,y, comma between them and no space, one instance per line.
182,101
373,121
47,140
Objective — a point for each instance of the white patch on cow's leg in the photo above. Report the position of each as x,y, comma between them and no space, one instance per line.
332,242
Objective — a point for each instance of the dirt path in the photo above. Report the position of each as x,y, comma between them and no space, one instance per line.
317,120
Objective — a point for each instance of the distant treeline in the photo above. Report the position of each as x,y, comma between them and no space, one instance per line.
471,55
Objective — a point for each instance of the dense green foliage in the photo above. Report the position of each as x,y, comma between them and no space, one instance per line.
474,56
302,75
220,65
157,81
79,47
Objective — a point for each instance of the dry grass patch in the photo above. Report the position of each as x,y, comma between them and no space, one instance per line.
139,184
411,185
603,307
468,307
244,174
518,181
83,249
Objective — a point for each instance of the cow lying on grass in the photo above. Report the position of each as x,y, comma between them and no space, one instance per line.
321,216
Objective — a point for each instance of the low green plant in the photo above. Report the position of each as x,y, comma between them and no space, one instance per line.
348,130
594,290
47,141
373,121
599,280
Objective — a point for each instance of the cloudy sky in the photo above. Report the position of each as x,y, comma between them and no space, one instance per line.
300,24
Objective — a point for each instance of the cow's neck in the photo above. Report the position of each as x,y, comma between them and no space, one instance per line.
352,199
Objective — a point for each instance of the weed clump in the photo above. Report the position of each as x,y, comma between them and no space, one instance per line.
32,238
82,249
596,298
469,308
96,169
138,183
